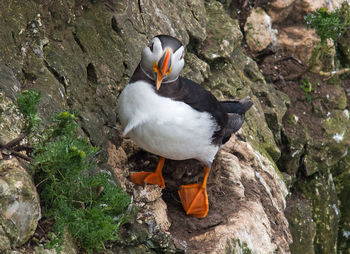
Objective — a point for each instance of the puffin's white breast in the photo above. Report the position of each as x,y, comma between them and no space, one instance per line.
165,127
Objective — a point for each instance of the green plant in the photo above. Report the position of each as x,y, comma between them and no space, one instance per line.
27,103
328,25
89,206
306,86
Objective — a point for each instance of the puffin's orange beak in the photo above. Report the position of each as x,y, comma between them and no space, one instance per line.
162,67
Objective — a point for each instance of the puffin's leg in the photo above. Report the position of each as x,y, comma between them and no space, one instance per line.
155,177
194,197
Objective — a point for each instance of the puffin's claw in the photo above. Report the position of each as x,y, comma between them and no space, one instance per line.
140,178
194,200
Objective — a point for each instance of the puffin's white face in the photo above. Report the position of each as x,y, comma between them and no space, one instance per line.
162,64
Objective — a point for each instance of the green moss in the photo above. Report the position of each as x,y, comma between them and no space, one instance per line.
343,185
334,80
342,101
322,154
301,225
321,193
337,124
342,182
292,120
237,247
223,32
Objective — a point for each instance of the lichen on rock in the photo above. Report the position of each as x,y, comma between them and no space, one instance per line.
258,30
223,32
20,207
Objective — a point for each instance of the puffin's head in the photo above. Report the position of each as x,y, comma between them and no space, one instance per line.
163,59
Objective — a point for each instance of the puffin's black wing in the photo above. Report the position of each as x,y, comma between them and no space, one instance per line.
197,97
235,111
238,106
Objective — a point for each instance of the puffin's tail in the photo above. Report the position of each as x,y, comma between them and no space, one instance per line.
235,111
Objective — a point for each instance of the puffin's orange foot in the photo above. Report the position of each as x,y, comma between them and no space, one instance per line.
194,200
148,177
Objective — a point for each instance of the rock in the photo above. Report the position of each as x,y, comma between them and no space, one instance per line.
146,194
159,210
301,224
344,47
336,142
19,202
68,247
321,193
295,142
116,159
20,206
141,249
305,6
279,10
240,78
258,30
11,121
224,34
342,182
324,60
149,230
84,78
299,41
195,68
336,99
247,223
253,222
9,85
315,153
274,104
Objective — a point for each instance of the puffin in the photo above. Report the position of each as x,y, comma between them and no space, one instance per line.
175,118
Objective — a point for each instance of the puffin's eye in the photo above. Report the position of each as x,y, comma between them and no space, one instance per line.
151,46
182,55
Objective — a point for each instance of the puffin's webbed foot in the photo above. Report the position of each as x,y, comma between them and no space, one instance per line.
155,177
194,197
194,200
148,177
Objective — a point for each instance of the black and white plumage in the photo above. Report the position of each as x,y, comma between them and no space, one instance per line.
172,116
181,120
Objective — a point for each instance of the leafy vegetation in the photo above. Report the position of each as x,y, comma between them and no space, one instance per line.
328,25
91,207
306,86
27,103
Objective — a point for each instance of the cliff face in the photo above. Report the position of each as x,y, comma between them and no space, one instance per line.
80,55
